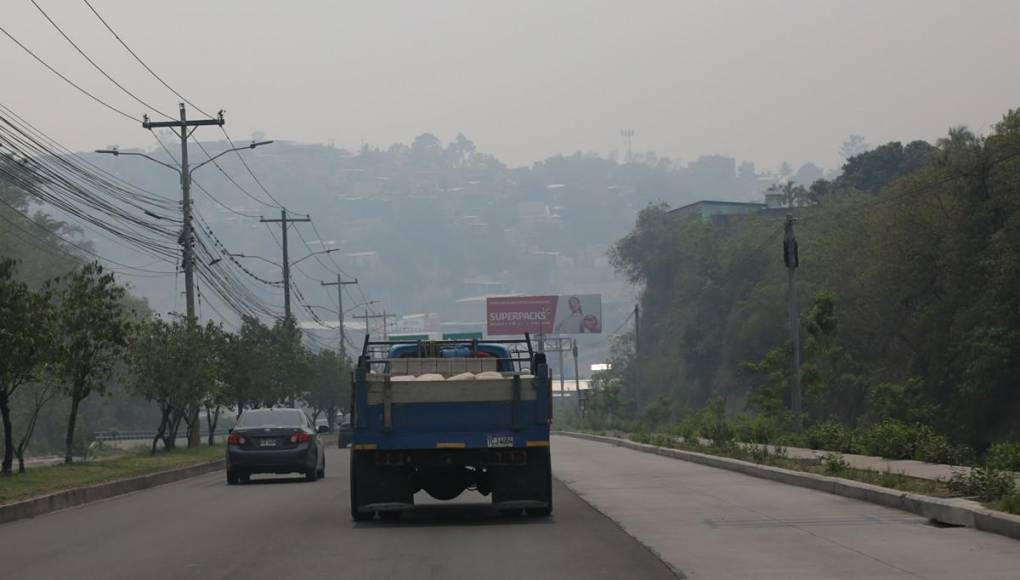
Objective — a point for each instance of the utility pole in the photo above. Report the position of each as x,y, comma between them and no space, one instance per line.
637,329
384,316
637,356
283,221
577,378
187,234
791,258
340,306
559,350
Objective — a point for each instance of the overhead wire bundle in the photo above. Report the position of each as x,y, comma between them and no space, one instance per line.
117,210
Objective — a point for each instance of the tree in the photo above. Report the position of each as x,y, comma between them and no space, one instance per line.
329,385
290,370
92,320
853,146
875,169
217,395
248,362
177,366
38,394
25,340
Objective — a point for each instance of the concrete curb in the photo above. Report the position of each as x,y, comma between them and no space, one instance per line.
60,500
956,512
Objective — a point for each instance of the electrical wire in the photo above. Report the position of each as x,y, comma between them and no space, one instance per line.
94,64
67,80
86,250
141,62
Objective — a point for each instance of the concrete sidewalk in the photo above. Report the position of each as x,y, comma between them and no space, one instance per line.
713,523
908,467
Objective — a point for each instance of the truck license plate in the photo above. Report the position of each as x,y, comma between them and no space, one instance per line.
501,441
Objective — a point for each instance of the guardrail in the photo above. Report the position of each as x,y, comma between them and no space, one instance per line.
145,435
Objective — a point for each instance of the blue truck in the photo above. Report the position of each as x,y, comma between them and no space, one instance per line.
445,416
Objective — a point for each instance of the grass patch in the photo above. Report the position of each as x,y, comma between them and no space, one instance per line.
52,478
832,465
1009,504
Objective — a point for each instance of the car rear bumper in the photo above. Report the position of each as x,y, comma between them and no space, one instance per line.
301,458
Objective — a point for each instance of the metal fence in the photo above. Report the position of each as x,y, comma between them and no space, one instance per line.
105,436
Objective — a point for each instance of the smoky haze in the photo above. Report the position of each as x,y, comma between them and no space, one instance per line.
766,81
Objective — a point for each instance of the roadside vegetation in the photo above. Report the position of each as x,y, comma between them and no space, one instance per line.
909,317
81,354
54,478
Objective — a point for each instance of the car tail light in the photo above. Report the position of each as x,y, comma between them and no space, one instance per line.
300,437
235,439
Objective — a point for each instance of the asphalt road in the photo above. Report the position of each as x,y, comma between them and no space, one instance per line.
278,528
714,523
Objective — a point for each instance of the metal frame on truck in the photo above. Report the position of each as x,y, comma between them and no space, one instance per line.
413,432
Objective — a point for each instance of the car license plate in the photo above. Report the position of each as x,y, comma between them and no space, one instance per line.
267,443
501,440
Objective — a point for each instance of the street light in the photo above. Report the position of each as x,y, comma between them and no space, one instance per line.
363,304
186,186
117,152
267,260
329,251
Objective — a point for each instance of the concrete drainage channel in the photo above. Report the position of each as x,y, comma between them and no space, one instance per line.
60,500
950,512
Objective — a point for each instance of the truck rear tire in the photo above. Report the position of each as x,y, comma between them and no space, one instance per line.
545,463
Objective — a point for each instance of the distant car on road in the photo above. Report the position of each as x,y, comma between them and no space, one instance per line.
274,441
343,430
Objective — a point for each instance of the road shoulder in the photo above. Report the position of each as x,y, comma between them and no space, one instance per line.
711,522
43,504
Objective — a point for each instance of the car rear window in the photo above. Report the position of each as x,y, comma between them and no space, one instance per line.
271,418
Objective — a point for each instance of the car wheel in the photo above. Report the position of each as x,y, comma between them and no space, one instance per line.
232,477
322,470
312,474
245,477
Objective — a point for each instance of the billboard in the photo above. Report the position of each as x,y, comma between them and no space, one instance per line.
565,314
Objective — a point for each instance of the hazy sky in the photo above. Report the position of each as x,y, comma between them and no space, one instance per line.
766,81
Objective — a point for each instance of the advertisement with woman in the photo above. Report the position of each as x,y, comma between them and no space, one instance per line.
565,314
579,314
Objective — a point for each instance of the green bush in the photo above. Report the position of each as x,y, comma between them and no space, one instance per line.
935,448
712,423
984,483
834,464
1004,456
893,439
756,429
830,436
1010,503
687,429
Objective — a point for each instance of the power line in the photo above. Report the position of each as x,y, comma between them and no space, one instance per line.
67,80
144,194
94,64
250,172
197,184
69,242
141,62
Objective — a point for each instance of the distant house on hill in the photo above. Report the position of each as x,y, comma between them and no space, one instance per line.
706,209
724,211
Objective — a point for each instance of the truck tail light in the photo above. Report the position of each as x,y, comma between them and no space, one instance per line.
235,439
300,437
